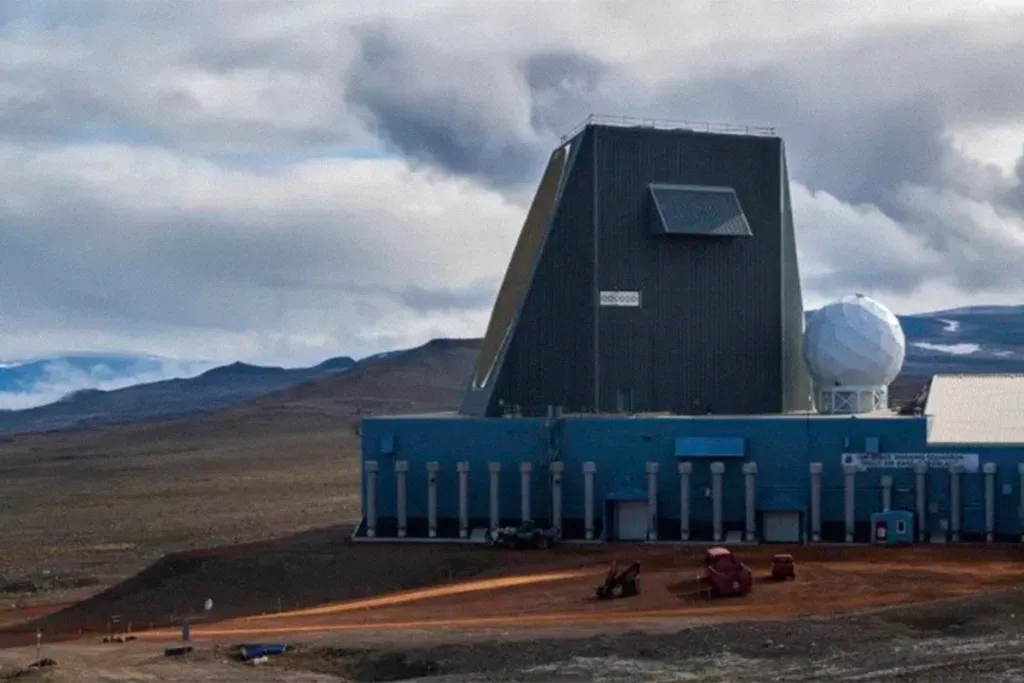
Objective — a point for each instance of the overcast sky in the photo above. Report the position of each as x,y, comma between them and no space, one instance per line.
286,181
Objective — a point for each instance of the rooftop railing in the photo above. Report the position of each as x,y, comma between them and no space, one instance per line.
670,124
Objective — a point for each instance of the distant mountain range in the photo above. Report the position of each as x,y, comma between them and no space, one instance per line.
965,340
968,340
217,388
26,376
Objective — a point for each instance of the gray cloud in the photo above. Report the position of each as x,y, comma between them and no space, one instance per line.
942,239
477,296
145,243
326,255
558,80
185,75
858,150
1015,195
429,106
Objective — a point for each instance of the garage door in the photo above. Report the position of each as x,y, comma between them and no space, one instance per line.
781,527
631,521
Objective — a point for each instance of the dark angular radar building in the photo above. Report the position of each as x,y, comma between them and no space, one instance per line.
656,272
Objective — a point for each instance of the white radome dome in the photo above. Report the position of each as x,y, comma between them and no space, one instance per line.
854,342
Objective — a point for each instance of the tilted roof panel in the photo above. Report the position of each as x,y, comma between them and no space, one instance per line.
698,210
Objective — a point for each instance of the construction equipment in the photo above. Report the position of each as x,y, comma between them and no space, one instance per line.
624,584
526,535
722,575
783,567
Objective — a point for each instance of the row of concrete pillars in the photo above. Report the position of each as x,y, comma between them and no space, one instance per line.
685,469
921,490
556,470
433,469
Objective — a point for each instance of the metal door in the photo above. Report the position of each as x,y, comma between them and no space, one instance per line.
781,527
631,521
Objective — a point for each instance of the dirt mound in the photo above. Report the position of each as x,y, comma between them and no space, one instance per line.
261,578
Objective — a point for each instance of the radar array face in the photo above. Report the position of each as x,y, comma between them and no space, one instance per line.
855,341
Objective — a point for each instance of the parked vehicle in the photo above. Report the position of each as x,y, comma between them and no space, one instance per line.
526,535
783,567
722,575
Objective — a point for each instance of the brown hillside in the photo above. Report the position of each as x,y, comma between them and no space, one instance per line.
435,373
107,501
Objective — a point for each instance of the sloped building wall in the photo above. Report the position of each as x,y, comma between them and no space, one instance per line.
796,380
551,353
518,287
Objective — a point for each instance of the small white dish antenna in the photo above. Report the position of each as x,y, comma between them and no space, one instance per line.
208,605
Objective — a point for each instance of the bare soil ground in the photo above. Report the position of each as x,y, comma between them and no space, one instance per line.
485,615
99,508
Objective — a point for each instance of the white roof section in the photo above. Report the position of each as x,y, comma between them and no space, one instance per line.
976,409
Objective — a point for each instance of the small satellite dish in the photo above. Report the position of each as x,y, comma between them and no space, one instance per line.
208,605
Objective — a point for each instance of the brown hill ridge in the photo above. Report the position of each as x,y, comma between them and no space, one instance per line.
432,377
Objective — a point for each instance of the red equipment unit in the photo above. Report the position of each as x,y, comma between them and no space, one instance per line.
724,575
783,567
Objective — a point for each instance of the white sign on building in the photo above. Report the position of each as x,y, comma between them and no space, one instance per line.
889,461
629,299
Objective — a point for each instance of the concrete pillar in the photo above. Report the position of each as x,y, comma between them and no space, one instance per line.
886,492
816,469
717,470
370,467
849,492
589,470
402,507
494,468
750,483
954,502
921,470
524,491
652,501
432,470
557,468
685,468
1020,512
990,470
463,469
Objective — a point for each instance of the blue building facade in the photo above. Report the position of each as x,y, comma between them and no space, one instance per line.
891,462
